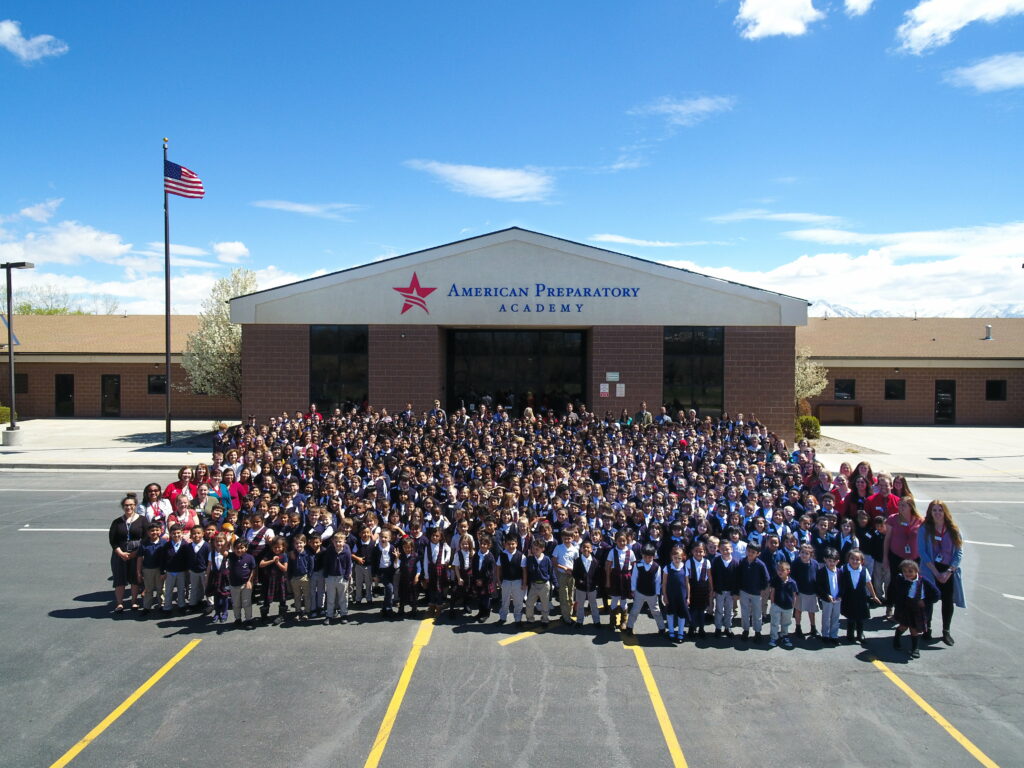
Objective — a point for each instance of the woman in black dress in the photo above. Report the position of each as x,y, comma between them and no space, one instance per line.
126,532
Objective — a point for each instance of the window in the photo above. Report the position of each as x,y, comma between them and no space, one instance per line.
995,389
157,384
693,372
895,389
846,389
339,365
21,384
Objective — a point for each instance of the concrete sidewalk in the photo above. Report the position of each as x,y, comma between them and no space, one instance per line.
976,453
107,444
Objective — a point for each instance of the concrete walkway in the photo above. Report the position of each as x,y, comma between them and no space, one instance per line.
977,453
107,444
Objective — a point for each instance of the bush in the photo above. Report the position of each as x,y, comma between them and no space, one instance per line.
5,414
809,427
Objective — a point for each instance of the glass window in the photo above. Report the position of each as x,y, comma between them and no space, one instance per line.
338,365
157,384
693,369
895,389
20,383
846,389
995,389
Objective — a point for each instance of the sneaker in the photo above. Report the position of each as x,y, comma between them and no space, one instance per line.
771,643
343,620
915,654
250,624
814,632
787,643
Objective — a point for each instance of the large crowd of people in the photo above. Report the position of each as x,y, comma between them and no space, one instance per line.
701,524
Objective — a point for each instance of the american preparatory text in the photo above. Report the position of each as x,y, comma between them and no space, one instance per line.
542,291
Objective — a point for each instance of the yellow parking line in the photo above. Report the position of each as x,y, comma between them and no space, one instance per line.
418,644
962,740
91,736
667,731
521,636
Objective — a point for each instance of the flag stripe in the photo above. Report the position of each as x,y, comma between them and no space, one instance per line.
179,180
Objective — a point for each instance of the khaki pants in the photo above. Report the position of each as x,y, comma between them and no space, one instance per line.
750,610
172,581
566,587
241,598
581,601
151,587
196,588
511,592
540,590
300,594
651,601
337,596
362,582
780,621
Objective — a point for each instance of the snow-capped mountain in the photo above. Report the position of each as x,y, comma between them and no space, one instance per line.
822,308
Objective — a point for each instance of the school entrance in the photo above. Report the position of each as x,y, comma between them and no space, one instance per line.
545,370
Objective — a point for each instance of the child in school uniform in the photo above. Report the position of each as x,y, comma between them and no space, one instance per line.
725,588
511,577
805,573
175,559
362,576
337,575
587,573
300,567
911,597
645,584
148,565
482,576
782,594
459,576
537,577
857,594
829,597
619,578
384,565
408,577
753,578
675,593
699,572
197,569
241,569
274,566
564,555
217,580
437,557
317,579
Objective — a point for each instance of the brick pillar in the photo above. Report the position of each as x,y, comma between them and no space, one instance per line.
275,370
406,366
759,370
635,352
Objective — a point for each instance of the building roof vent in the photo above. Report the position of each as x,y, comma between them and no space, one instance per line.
988,333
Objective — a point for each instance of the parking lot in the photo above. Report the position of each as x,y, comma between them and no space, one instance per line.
309,695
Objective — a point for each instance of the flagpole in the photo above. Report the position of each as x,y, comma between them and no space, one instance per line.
167,311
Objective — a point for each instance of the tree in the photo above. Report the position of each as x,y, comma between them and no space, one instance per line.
811,378
53,300
213,354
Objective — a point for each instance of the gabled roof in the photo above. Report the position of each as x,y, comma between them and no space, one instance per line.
464,282
904,337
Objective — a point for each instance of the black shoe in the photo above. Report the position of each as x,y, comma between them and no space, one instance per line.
915,653
928,636
799,632
813,633
701,632
896,643
250,624
745,635
238,622
719,632
758,637
343,620
947,638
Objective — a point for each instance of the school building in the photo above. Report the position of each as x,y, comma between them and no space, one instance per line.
518,318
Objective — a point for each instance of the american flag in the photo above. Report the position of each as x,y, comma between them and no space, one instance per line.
179,180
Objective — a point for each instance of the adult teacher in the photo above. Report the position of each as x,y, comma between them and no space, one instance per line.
900,544
941,547
126,533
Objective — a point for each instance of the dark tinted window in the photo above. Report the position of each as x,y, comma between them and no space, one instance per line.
895,389
846,389
338,365
995,389
693,371
157,384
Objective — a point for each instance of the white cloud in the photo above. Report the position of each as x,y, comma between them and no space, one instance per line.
29,48
766,18
932,23
686,112
333,211
231,252
519,185
762,214
622,240
996,73
858,7
41,212
65,243
932,272
177,250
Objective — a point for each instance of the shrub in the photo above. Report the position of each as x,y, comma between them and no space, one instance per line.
809,427
5,414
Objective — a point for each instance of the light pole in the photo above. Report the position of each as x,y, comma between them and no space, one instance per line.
11,435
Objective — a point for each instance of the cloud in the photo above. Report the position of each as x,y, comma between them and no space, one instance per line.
31,48
686,112
518,185
176,250
231,252
762,214
621,240
65,243
333,211
935,272
767,18
932,23
996,73
858,7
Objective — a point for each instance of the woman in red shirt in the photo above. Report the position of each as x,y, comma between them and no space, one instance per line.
900,543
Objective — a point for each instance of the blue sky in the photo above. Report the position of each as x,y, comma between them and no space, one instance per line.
864,153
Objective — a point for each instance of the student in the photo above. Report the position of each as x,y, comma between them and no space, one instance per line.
753,580
241,568
408,577
362,576
337,575
317,580
301,564
482,575
275,580
510,575
217,585
587,573
912,597
174,563
436,558
198,566
459,576
829,598
383,565
645,584
564,555
148,565
699,572
857,595
782,593
725,588
618,578
537,582
805,573
675,592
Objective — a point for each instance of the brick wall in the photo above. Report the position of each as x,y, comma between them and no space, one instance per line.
759,369
136,403
635,353
407,364
275,369
919,405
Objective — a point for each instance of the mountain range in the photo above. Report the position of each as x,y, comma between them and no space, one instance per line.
822,308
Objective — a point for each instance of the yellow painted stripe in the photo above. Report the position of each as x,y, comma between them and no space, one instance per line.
678,761
962,740
520,636
91,736
384,733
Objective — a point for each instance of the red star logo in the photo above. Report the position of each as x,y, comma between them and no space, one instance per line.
414,295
